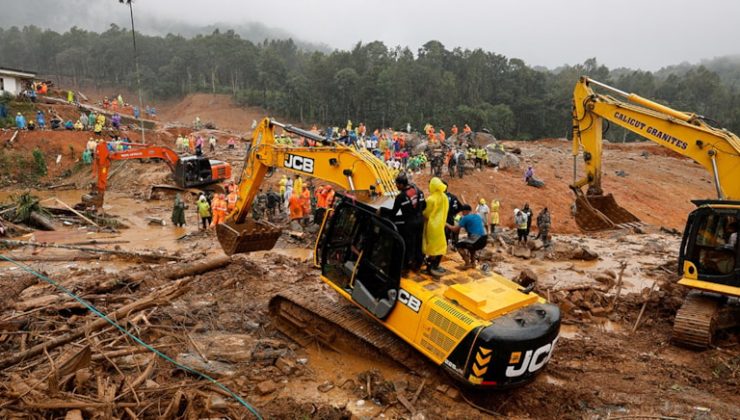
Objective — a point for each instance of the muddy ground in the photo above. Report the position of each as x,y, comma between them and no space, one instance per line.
218,321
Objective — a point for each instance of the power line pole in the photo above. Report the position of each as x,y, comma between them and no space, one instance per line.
136,64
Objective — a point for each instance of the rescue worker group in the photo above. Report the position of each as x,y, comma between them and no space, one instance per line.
429,224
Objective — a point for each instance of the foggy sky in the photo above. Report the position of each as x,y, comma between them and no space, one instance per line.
646,34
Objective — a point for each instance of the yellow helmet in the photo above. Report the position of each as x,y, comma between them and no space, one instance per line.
482,201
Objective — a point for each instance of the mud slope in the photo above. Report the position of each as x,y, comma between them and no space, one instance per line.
219,109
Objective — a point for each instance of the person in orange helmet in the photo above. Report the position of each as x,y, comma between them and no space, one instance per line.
467,129
219,209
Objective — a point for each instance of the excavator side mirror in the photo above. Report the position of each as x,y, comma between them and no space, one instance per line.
333,162
347,172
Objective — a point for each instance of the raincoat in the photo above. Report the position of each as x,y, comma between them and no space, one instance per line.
435,216
494,212
178,212
283,182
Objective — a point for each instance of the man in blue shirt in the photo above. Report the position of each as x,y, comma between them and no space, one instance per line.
476,239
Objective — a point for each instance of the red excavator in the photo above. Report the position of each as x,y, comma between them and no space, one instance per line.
188,171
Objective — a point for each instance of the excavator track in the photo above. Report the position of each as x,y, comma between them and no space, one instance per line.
339,325
696,321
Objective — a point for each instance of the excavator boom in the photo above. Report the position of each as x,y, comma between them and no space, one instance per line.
357,171
684,133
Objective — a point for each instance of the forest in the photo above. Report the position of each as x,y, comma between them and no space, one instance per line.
380,85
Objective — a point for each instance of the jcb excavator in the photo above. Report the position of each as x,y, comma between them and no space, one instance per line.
485,330
709,260
188,171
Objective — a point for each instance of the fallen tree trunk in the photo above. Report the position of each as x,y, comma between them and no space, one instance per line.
130,254
183,270
41,221
157,298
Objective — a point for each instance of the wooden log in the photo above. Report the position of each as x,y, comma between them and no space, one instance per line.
161,297
41,221
129,254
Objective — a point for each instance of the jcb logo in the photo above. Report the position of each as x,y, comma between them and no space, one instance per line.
299,163
409,300
533,360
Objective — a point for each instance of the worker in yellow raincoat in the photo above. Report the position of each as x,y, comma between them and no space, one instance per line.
495,220
434,244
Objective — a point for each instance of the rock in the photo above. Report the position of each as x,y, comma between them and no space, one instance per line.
584,253
150,384
442,388
296,226
74,415
521,251
312,228
217,402
418,416
326,386
302,361
526,277
266,387
212,367
535,244
605,280
233,348
285,365
601,312
453,393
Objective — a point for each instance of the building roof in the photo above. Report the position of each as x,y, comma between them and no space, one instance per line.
17,72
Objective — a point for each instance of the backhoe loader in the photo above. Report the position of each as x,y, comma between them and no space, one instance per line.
709,260
483,329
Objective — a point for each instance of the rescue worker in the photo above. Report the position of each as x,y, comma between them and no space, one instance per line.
306,202
467,129
298,185
70,96
282,185
321,195
273,201
481,156
543,226
219,210
178,211
530,217
295,206
453,130
87,157
453,208
212,144
495,218
484,212
434,244
83,120
204,211
406,214
231,200
259,206
20,121
476,239
78,125
520,220
40,120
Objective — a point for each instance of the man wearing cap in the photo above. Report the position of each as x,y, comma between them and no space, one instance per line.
484,212
476,239
410,203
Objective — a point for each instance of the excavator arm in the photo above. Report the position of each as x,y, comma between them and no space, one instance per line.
717,150
356,170
104,157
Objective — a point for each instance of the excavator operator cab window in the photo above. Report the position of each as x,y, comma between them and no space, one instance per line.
363,254
713,245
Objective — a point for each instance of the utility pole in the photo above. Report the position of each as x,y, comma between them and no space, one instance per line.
136,64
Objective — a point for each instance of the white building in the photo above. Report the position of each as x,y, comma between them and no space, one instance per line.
14,81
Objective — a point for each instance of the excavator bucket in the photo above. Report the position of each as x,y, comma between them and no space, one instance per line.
601,212
249,236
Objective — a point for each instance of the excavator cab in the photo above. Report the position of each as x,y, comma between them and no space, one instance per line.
709,263
709,248
196,171
362,254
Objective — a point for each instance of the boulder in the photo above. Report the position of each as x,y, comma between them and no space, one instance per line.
521,251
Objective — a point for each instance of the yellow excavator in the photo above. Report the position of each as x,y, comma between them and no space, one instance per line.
482,328
709,259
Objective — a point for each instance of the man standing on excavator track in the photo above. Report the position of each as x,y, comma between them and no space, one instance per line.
410,223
